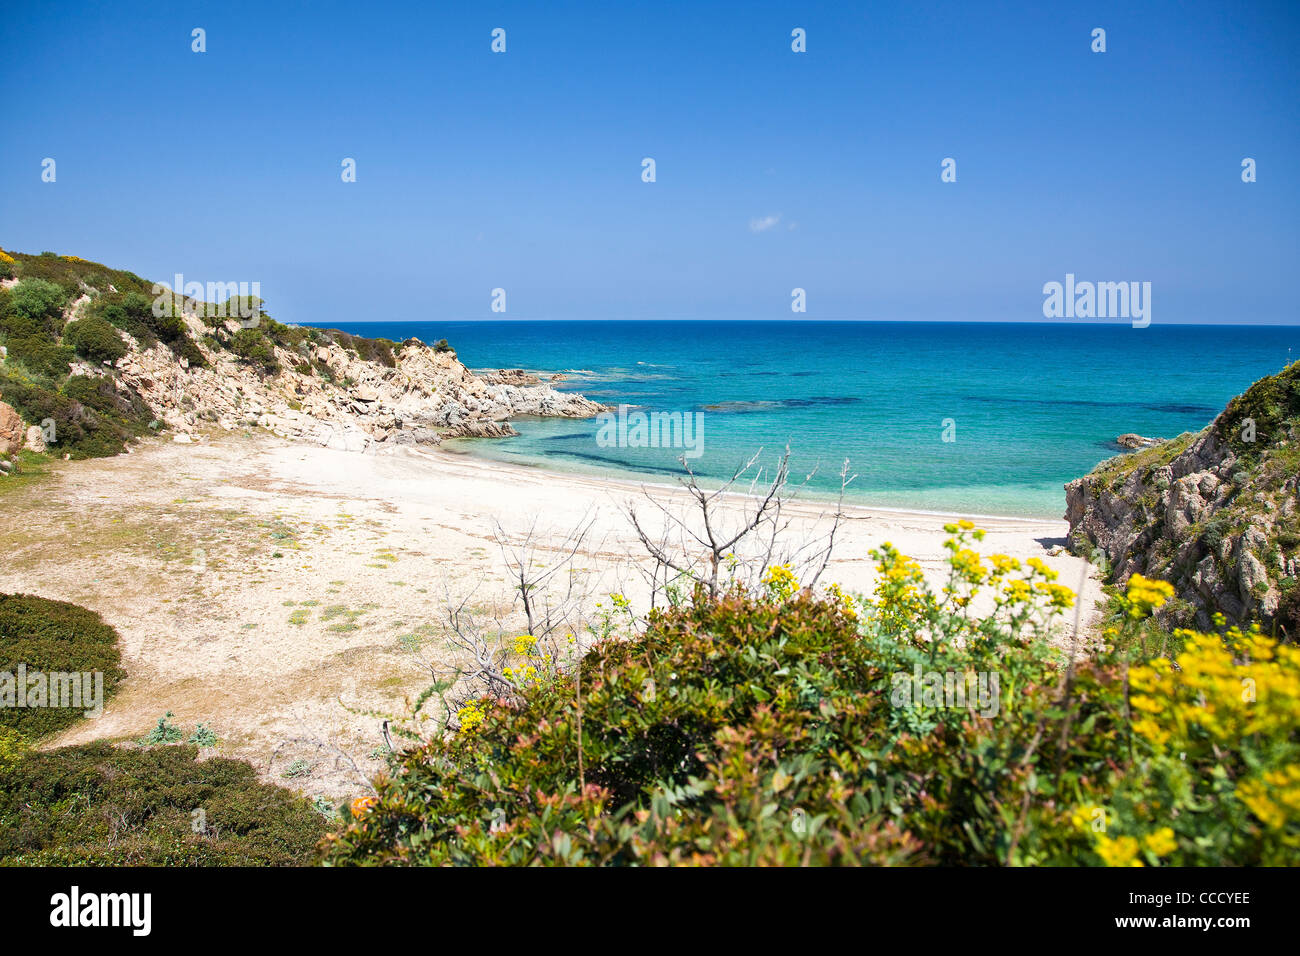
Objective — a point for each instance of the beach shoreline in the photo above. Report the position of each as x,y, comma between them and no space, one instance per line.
629,477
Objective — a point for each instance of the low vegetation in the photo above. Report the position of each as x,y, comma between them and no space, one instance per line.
49,637
100,805
776,726
97,804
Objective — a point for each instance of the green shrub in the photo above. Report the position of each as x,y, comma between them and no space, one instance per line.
252,346
97,805
40,301
114,310
186,348
13,748
1270,403
94,339
163,733
41,355
92,418
48,637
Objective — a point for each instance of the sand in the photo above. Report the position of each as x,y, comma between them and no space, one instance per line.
272,591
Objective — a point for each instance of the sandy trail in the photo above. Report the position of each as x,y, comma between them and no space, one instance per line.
256,583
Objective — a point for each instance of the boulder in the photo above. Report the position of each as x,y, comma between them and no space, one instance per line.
12,430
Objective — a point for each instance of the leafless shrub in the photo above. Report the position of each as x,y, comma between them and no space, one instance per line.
740,532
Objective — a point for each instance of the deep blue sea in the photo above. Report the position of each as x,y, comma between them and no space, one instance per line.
1030,406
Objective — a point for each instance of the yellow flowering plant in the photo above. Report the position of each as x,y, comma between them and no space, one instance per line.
1215,772
780,582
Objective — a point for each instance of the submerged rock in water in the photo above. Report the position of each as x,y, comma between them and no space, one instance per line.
1130,440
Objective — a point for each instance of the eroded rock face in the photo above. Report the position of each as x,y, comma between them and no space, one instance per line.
1221,529
425,397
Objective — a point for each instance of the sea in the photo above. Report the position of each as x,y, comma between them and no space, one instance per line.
960,418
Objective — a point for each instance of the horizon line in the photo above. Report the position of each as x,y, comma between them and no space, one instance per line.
1085,323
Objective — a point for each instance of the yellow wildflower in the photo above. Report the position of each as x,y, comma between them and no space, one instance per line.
470,717
1145,595
1038,565
780,581
1161,842
1121,851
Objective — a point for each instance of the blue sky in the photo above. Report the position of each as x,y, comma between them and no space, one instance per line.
522,170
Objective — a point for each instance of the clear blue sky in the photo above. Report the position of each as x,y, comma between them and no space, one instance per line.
523,170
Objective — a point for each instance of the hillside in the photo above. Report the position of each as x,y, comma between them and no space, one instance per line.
1214,513
86,352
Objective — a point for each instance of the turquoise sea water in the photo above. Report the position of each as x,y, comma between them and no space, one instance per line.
1033,405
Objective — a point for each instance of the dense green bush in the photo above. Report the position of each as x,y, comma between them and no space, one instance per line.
40,301
97,805
103,395
127,315
40,355
53,636
94,339
92,418
254,347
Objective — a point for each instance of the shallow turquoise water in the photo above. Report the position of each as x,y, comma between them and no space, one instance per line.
1031,406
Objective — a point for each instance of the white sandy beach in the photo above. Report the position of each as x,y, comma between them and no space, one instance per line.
257,583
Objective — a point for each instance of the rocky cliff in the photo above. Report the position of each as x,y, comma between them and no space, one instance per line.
88,353
326,392
1214,513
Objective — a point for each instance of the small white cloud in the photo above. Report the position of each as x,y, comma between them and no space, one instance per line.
764,224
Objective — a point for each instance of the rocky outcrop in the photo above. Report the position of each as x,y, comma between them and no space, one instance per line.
1214,513
1132,441
332,396
508,376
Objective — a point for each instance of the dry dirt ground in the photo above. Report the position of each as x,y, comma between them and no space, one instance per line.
284,594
